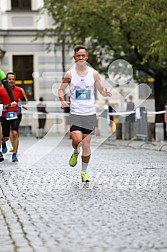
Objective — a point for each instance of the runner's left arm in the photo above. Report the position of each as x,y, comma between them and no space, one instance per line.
100,86
23,98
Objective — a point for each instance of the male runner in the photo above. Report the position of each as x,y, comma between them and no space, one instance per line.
82,81
11,78
10,115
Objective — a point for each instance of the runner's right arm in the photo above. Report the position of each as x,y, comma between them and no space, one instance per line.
61,91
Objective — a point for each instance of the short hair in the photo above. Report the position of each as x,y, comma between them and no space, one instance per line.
10,73
78,47
41,99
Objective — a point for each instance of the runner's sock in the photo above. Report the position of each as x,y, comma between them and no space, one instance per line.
84,166
76,150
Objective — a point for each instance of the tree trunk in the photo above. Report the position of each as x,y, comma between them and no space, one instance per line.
63,57
160,96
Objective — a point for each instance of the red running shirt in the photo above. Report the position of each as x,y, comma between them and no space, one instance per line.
18,94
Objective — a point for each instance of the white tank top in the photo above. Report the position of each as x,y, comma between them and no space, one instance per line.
82,93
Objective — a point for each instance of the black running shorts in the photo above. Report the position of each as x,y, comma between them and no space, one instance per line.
86,124
9,124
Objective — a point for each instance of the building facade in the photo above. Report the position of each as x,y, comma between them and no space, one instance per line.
38,70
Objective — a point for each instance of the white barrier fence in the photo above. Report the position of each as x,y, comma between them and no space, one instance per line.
141,125
29,122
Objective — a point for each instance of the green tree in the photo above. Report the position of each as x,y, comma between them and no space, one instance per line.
132,30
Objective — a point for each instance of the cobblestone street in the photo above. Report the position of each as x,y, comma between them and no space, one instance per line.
44,207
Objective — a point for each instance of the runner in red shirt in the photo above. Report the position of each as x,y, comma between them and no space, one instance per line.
10,115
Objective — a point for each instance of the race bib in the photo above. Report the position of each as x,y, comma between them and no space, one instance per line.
83,95
11,115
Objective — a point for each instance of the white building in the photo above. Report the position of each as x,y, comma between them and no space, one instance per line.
38,70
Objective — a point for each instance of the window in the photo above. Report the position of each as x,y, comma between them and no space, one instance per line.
21,4
23,68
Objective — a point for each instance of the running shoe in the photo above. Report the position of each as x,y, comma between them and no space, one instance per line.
11,149
14,158
73,159
1,157
84,177
4,148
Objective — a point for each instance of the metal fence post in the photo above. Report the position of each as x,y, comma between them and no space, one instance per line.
165,127
141,125
103,123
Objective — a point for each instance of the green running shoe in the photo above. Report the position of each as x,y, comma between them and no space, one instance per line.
73,159
85,177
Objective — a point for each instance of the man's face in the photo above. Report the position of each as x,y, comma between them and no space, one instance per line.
81,56
11,80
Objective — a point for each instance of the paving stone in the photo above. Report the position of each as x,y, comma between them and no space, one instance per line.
45,207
